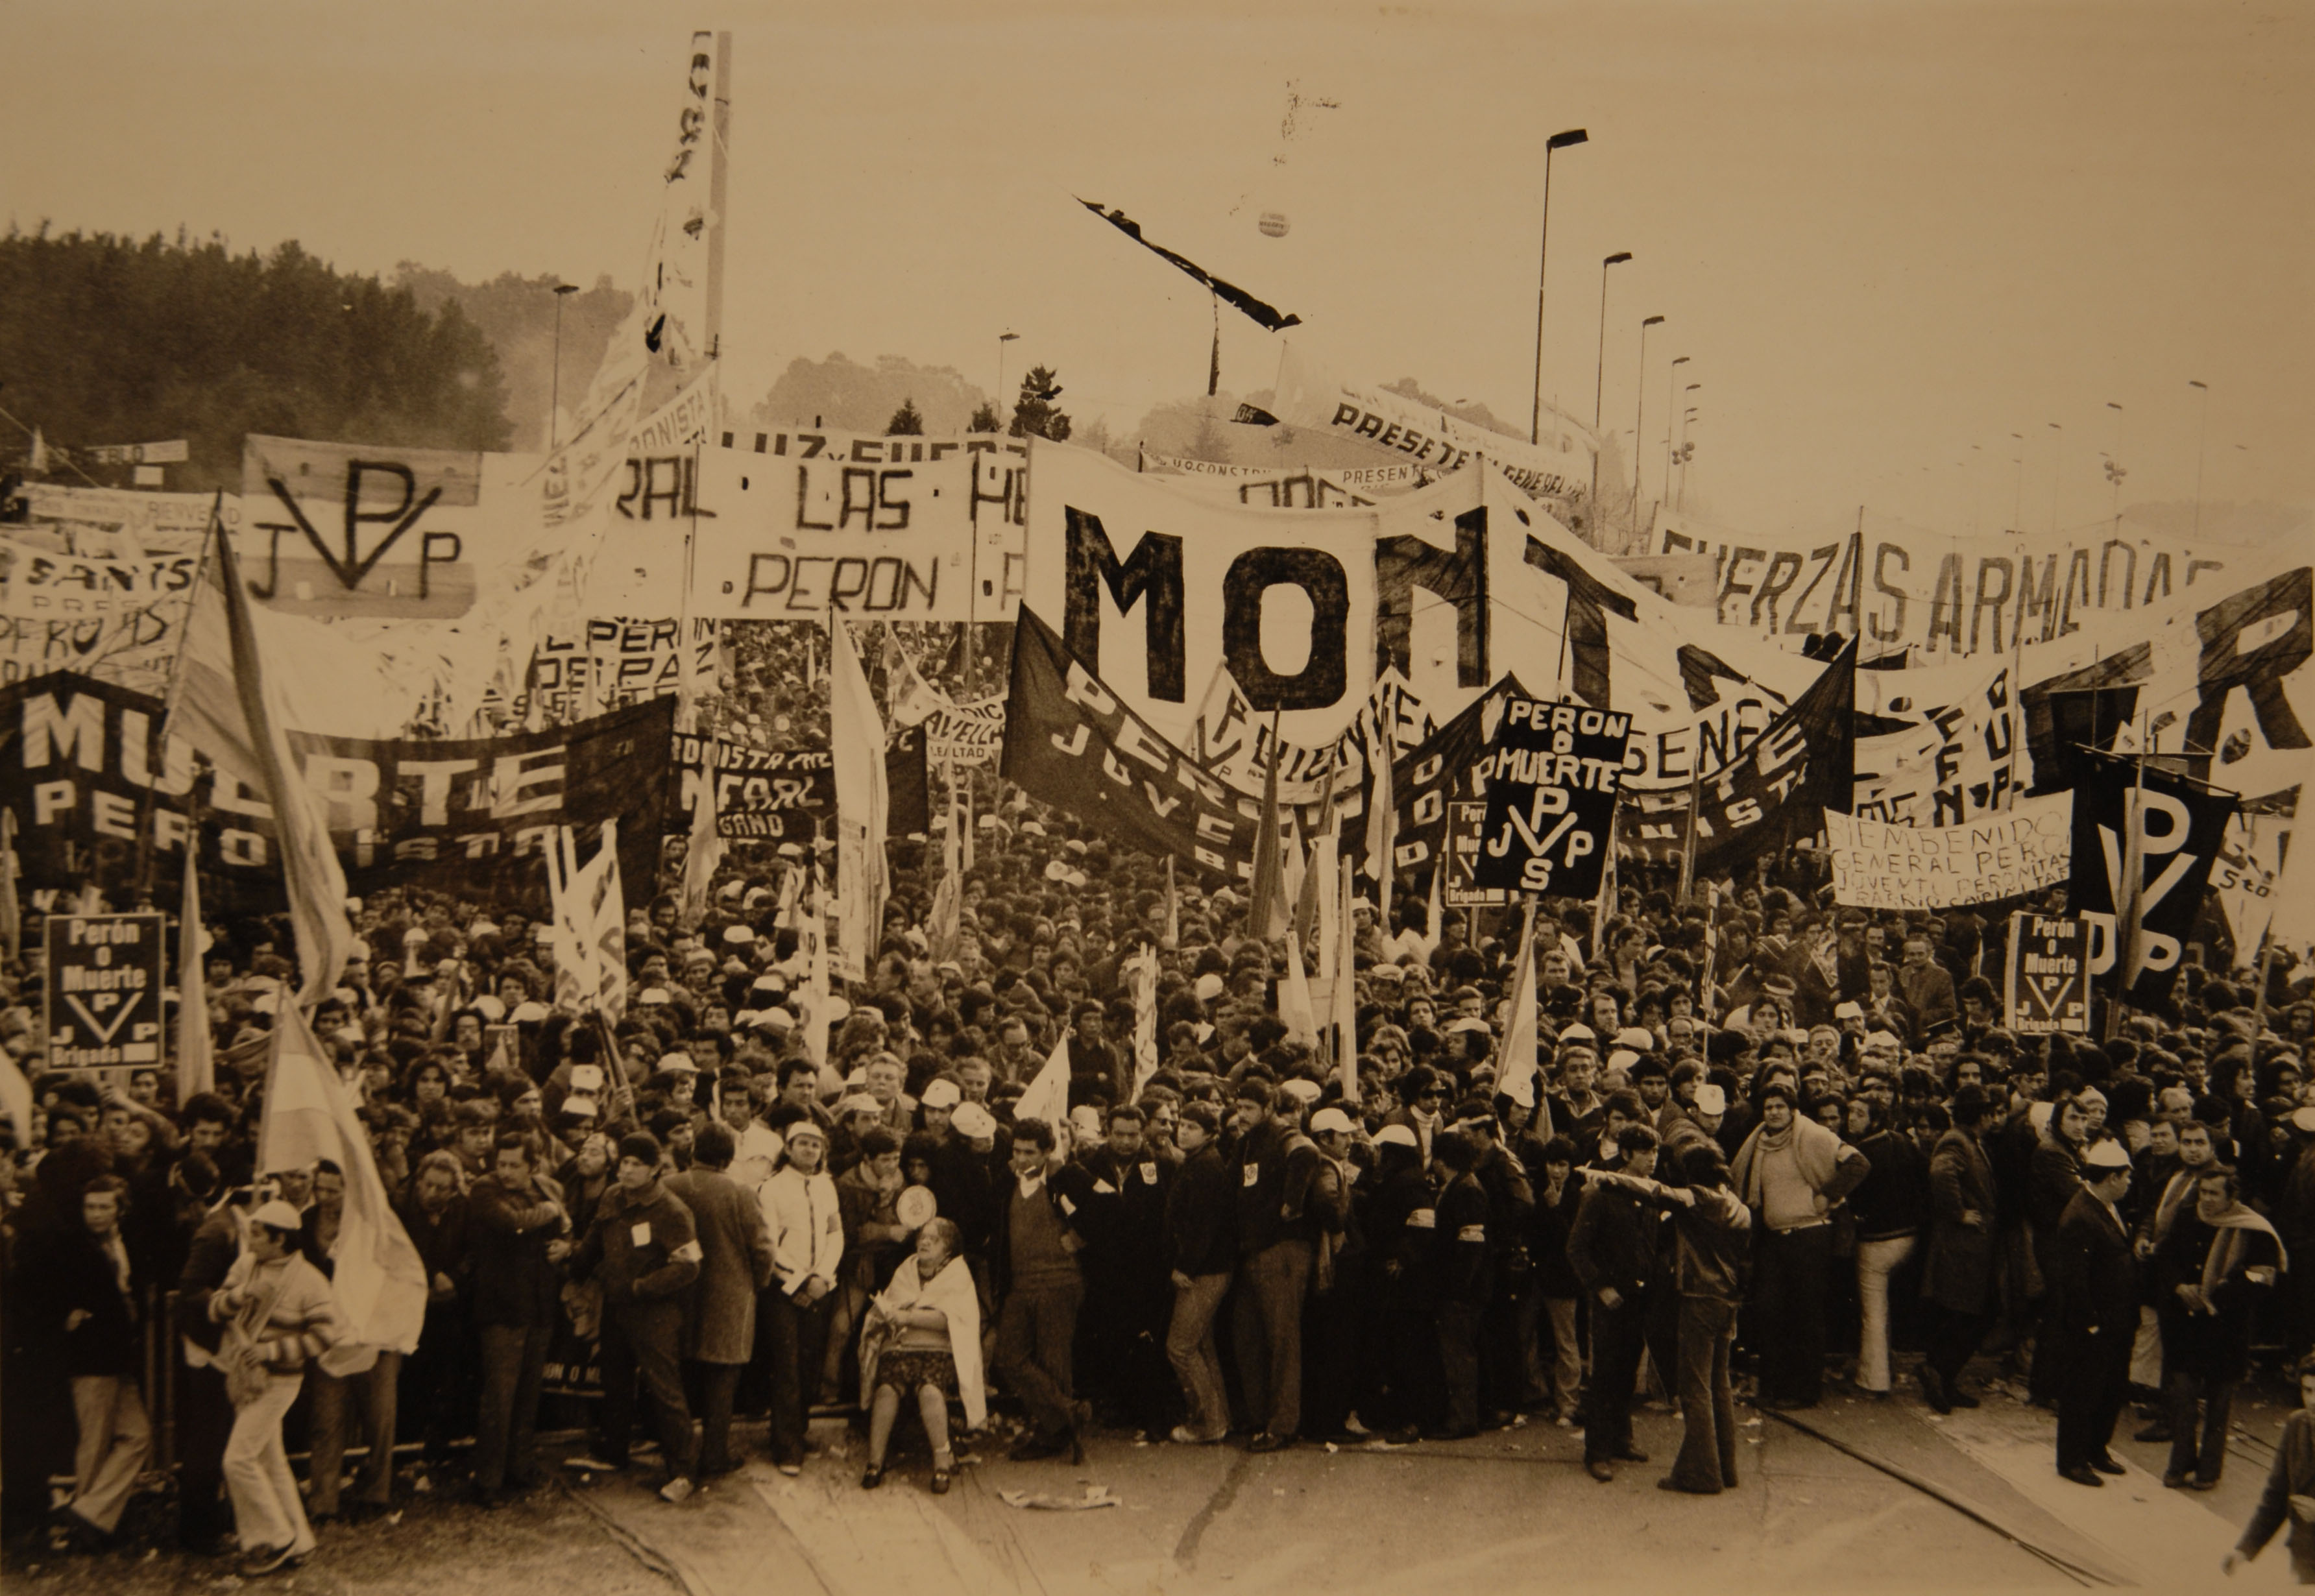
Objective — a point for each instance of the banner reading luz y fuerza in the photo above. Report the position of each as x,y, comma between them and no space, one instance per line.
94,782
1069,742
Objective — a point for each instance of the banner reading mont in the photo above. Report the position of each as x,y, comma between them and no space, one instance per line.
1876,866
95,786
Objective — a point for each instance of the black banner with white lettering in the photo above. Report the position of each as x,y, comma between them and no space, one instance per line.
97,788
1551,798
781,794
1069,742
2181,825
1774,793
1450,763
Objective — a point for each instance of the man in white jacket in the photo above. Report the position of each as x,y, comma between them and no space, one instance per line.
807,1228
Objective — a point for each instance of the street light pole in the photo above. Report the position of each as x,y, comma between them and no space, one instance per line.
2056,445
1558,141
1002,340
2201,443
1687,415
1671,375
1639,414
554,387
1599,374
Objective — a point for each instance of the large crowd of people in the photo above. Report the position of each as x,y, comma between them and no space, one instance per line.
1770,1145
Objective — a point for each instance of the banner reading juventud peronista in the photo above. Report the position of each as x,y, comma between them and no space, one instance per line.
2005,855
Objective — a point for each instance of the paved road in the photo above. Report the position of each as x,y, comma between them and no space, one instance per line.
1871,1496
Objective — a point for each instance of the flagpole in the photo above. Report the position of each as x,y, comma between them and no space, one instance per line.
148,864
2133,867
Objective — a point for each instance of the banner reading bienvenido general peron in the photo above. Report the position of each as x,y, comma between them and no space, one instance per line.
2004,855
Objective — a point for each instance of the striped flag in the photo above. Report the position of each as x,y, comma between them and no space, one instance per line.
378,1277
228,708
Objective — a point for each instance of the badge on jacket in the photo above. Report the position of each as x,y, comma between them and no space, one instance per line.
639,1234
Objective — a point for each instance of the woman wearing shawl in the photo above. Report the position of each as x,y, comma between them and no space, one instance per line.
2211,1269
1790,1173
922,1336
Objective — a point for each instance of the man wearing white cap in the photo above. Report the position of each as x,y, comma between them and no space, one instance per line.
2098,1283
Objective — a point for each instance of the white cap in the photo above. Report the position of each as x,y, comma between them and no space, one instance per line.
1330,1119
679,1062
941,1094
740,935
280,1215
1711,1100
1638,1040
974,1120
1622,1058
1884,1039
651,996
1304,1092
2109,1154
1848,1011
1579,1032
1401,1136
1209,987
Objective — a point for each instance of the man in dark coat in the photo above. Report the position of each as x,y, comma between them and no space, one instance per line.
1130,1289
83,1299
204,1411
1957,1278
438,1380
719,1308
645,1249
1039,1287
1615,1250
2097,1275
2211,1269
1278,1226
516,1230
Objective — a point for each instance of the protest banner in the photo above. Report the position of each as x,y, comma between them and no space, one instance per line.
772,794
2046,975
1072,742
1559,467
110,521
339,530
1551,798
2179,826
612,661
965,734
806,524
96,786
1907,590
1292,487
1774,792
103,990
1465,835
1877,866
1157,587
1448,768
2250,867
120,617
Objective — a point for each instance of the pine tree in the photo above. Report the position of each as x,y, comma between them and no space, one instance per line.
1034,413
984,418
907,421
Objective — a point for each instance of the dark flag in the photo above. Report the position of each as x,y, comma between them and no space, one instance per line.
2181,826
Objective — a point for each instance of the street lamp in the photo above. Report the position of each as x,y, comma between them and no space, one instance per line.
2054,444
554,387
1002,340
1558,141
1599,372
1671,377
1680,452
1639,414
2201,442
1687,425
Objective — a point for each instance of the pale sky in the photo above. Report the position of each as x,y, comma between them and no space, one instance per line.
1882,233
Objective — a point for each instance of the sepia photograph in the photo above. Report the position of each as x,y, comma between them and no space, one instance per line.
662,932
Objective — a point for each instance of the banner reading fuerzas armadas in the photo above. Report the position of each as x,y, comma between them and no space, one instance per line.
1155,586
1934,595
1904,867
794,523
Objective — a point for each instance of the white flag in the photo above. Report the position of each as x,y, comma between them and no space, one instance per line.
856,743
1515,1067
196,1057
1295,1009
1141,980
1048,1095
1346,997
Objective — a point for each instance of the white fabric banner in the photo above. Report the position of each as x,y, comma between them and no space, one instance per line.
1558,466
803,525
1937,596
1881,867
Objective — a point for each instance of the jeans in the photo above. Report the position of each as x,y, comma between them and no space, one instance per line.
1707,1446
2180,1394
1268,1327
797,1337
338,1401
115,1442
266,1508
639,1338
1190,1348
1036,1341
1567,1356
1876,1261
514,1357
1789,1306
